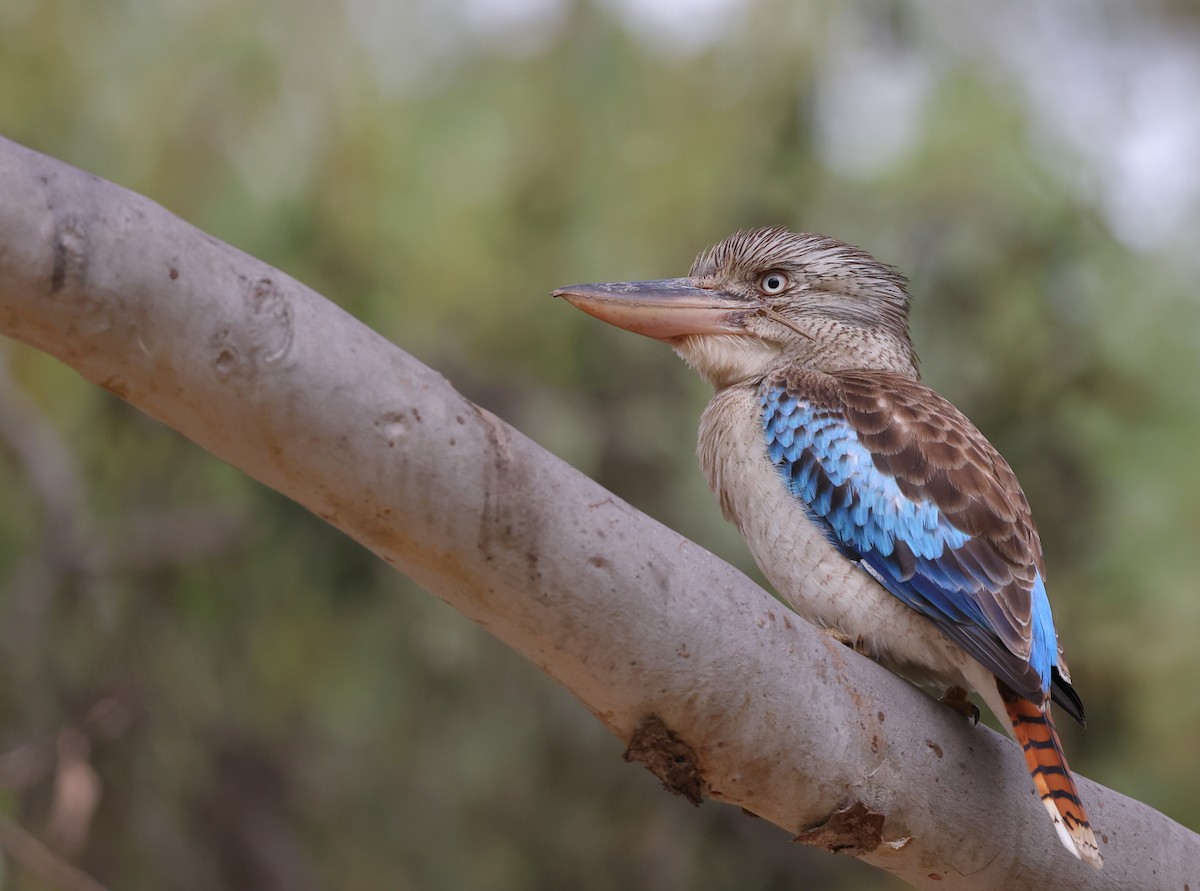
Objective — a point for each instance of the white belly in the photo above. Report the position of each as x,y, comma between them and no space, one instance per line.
807,571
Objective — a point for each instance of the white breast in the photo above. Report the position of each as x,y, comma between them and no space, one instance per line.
807,571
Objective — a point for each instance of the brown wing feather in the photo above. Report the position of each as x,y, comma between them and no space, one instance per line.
934,452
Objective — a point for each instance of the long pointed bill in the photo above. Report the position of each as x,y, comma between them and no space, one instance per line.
662,309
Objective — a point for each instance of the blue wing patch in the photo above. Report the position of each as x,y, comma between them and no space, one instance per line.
905,543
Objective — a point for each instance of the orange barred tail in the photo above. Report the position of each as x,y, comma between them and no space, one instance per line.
1048,766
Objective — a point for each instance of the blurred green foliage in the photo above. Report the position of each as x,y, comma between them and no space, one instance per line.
257,702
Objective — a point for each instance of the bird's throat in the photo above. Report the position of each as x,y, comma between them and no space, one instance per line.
724,360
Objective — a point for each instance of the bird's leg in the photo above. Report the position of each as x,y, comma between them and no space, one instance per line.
858,644
956,698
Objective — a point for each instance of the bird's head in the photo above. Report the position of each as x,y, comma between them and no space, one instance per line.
764,296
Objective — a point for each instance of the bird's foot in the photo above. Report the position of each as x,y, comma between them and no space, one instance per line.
957,699
858,644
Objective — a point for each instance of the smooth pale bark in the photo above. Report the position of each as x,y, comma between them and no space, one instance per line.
752,706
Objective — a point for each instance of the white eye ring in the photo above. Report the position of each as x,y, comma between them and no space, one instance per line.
773,282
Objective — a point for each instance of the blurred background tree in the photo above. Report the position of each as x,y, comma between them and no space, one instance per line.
205,687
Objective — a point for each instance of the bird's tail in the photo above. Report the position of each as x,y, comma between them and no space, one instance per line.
1048,766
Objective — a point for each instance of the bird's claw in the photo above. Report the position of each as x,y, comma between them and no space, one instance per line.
858,644
957,699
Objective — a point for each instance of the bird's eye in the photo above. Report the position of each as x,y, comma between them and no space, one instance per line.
773,282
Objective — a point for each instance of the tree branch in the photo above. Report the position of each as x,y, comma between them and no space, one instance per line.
716,686
40,860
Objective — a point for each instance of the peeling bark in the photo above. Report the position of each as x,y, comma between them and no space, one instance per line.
853,830
667,757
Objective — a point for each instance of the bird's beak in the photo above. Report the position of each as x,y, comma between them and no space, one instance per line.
662,309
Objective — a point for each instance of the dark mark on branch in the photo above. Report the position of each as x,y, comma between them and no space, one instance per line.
667,757
853,830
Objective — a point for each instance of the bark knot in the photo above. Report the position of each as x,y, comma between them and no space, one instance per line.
261,337
853,830
70,252
667,757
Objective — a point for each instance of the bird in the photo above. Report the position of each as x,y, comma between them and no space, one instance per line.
874,507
